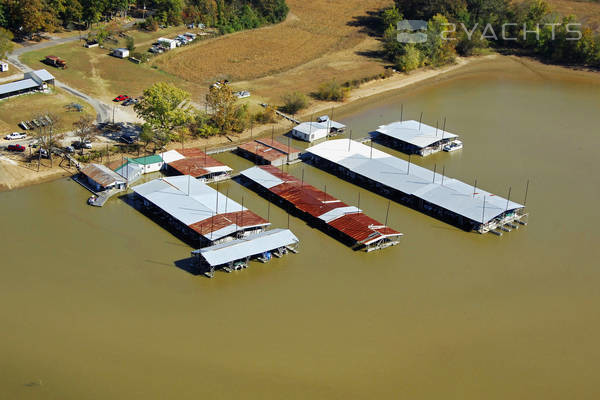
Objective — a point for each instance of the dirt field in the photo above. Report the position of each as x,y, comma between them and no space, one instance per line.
317,42
16,109
586,11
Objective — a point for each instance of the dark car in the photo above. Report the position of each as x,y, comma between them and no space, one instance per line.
16,147
129,139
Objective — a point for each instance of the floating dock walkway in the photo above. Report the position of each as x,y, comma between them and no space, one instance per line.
447,199
331,215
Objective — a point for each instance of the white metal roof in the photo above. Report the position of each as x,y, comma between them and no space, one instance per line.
12,87
218,168
310,127
415,133
171,155
262,177
130,171
338,212
171,195
247,247
453,195
44,75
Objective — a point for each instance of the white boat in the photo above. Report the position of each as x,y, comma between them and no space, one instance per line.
453,146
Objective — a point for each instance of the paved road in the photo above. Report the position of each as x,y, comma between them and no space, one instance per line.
103,111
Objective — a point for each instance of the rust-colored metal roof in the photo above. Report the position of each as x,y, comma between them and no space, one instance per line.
201,158
278,145
269,149
189,166
195,163
244,219
315,202
362,228
101,174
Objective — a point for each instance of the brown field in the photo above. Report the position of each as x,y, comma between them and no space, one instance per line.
586,11
16,109
314,30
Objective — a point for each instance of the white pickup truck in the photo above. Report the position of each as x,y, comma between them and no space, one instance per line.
15,135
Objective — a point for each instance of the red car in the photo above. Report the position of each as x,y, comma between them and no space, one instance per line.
15,147
121,98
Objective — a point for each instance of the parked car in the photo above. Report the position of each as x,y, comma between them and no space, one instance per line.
129,102
243,94
129,139
70,149
16,147
43,153
121,97
15,135
84,145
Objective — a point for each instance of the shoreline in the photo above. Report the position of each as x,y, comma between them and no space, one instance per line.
366,92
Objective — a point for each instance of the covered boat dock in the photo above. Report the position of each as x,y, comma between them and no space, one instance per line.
195,211
347,223
236,254
414,137
435,194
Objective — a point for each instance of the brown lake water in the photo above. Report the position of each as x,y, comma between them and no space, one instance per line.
94,304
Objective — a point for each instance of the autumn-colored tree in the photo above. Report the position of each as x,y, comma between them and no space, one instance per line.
227,115
165,108
6,44
84,129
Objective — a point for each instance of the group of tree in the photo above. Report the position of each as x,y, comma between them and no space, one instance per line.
169,116
226,15
530,27
25,17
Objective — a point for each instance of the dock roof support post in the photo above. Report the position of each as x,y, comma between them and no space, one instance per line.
444,128
387,213
358,206
443,174
268,211
436,127
434,171
508,198
350,140
242,215
483,213
302,181
371,156
217,207
475,187
408,169
420,120
526,192
226,199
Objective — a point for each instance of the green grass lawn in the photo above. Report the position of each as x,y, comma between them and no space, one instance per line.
95,72
16,109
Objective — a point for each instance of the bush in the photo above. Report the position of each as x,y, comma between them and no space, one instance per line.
130,43
265,117
294,102
332,91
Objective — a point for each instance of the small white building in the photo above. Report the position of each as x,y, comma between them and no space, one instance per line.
121,53
3,66
149,164
169,43
310,131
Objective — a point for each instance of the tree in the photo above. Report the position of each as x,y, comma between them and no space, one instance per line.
410,59
226,115
439,48
294,102
36,16
84,129
146,135
6,44
48,137
165,108
130,43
